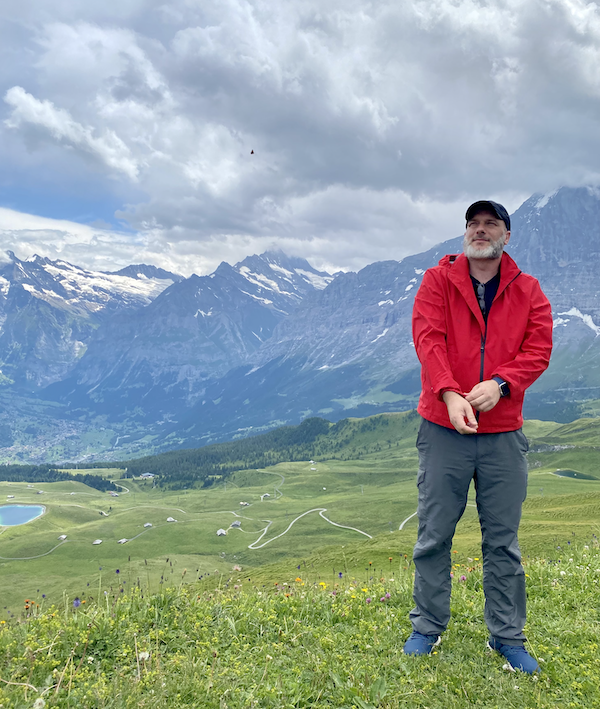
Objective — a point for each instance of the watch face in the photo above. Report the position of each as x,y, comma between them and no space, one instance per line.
503,389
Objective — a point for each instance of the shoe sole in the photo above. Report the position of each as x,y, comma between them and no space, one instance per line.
435,644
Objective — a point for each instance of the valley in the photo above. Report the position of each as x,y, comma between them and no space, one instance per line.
330,514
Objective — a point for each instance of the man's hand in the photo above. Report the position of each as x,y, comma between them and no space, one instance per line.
461,413
484,396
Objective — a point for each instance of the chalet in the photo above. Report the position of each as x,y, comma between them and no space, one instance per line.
221,533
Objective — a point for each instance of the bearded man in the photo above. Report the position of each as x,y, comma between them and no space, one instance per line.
482,330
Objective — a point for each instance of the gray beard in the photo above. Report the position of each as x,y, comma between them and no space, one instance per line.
493,250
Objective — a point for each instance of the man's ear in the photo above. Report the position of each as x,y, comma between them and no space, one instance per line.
507,237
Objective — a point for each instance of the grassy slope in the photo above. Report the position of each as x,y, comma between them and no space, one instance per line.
324,652
330,644
374,494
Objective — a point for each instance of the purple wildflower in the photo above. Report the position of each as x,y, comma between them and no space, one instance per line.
463,578
76,603
368,600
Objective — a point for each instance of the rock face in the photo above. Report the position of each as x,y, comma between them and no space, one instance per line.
155,360
271,340
49,310
348,351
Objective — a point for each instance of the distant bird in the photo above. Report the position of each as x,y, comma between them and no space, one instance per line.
252,152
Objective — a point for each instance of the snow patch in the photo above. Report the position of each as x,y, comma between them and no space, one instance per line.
258,279
266,301
409,286
385,302
586,319
254,369
288,275
560,321
317,281
204,315
380,336
419,271
543,201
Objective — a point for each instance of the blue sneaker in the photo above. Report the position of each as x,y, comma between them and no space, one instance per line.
419,644
516,656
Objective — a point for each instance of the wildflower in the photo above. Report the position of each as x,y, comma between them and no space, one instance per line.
298,579
388,595
368,600
340,574
463,578
144,655
39,703
390,558
382,599
563,573
451,575
76,603
322,584
117,571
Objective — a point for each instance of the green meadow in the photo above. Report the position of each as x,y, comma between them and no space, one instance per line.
304,601
335,512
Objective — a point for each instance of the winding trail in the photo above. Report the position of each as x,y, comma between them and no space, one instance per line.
320,510
469,504
27,558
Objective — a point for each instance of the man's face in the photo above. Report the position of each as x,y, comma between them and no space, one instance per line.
485,236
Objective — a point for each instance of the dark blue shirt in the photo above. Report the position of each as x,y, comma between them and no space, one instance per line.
486,292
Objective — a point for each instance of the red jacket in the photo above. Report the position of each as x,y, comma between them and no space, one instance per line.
457,350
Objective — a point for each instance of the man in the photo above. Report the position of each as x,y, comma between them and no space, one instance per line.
482,330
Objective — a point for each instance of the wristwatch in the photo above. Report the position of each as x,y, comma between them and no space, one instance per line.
502,385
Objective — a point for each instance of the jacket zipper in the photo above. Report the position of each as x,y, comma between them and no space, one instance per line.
481,360
482,347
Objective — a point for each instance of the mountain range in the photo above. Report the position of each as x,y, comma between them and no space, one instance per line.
144,360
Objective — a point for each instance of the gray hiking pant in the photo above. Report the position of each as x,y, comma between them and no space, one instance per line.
447,463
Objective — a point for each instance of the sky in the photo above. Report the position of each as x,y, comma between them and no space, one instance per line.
190,132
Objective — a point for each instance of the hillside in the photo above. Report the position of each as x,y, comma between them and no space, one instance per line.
315,641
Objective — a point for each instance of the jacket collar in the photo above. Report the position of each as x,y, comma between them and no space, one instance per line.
459,275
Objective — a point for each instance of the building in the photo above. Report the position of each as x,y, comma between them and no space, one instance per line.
221,533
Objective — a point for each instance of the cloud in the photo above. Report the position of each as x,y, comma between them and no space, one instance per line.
372,124
109,148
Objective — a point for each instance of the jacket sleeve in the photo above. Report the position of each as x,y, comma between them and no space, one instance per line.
429,335
534,355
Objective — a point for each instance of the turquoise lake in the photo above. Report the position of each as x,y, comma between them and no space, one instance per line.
12,515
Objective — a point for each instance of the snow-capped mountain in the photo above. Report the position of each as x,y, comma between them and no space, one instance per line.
271,340
156,359
347,350
49,310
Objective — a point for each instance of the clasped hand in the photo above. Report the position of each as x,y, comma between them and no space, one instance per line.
482,397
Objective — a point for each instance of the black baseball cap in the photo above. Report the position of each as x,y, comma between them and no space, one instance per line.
486,205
